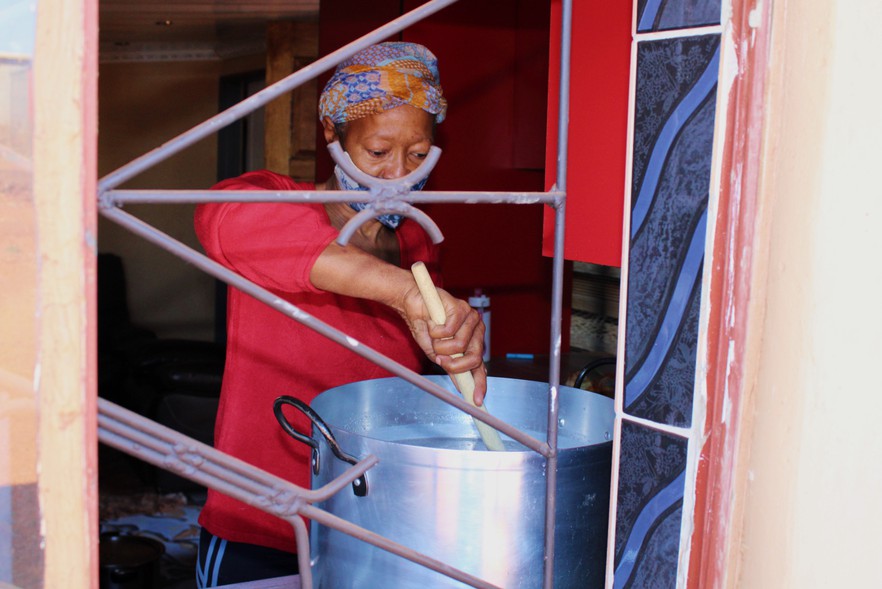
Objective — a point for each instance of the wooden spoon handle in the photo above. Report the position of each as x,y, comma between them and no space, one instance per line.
463,380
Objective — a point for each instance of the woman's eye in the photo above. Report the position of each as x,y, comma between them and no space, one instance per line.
376,153
420,156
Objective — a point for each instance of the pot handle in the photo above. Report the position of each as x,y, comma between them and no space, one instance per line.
593,365
359,485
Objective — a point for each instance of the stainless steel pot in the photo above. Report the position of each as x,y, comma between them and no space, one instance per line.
437,491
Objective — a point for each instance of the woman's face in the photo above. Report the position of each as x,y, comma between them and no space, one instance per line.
388,145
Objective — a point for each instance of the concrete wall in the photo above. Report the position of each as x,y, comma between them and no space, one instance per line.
813,506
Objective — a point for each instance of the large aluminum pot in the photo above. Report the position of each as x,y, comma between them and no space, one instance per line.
438,491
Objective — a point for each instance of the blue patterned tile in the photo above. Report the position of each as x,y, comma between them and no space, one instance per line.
651,485
665,15
673,141
667,398
675,79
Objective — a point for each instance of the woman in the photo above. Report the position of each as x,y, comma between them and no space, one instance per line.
382,105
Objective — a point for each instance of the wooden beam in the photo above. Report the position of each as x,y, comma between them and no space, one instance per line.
65,144
291,120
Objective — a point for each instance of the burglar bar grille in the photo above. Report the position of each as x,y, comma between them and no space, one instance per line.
156,444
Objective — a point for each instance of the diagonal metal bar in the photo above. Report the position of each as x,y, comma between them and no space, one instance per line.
333,521
220,272
162,446
160,441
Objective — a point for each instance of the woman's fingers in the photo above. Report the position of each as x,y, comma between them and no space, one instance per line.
467,339
469,331
479,374
419,329
457,345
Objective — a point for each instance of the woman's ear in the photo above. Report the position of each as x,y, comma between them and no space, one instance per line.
330,131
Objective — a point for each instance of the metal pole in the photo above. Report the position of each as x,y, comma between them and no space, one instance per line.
557,291
154,196
332,521
301,537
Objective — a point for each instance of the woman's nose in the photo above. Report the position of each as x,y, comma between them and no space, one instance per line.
396,167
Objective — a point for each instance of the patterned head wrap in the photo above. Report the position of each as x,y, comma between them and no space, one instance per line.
380,78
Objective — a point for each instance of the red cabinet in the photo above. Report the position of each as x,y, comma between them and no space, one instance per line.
600,58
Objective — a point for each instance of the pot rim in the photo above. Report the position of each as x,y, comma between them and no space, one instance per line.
345,430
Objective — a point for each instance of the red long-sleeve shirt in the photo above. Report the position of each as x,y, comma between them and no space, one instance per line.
275,245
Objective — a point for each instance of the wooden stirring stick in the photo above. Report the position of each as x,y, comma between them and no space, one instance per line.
464,380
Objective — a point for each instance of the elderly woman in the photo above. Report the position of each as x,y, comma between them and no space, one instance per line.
382,106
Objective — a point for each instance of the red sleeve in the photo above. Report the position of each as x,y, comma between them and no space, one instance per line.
272,244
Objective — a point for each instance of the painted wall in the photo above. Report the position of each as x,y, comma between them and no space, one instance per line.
812,511
142,105
22,553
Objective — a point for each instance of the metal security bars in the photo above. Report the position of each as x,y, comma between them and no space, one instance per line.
167,449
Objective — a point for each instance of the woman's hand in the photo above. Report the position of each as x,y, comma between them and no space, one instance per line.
462,333
353,272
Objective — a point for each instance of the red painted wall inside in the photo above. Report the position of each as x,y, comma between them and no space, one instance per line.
493,59
600,58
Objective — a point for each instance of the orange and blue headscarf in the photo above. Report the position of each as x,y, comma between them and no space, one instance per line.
382,77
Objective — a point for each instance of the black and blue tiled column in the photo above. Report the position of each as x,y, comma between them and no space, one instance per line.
677,65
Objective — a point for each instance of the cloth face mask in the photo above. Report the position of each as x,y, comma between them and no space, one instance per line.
347,183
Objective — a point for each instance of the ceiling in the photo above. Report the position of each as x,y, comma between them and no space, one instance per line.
143,30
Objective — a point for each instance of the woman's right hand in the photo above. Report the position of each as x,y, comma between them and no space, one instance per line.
462,333
353,272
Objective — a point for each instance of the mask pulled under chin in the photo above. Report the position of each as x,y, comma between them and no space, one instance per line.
347,183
